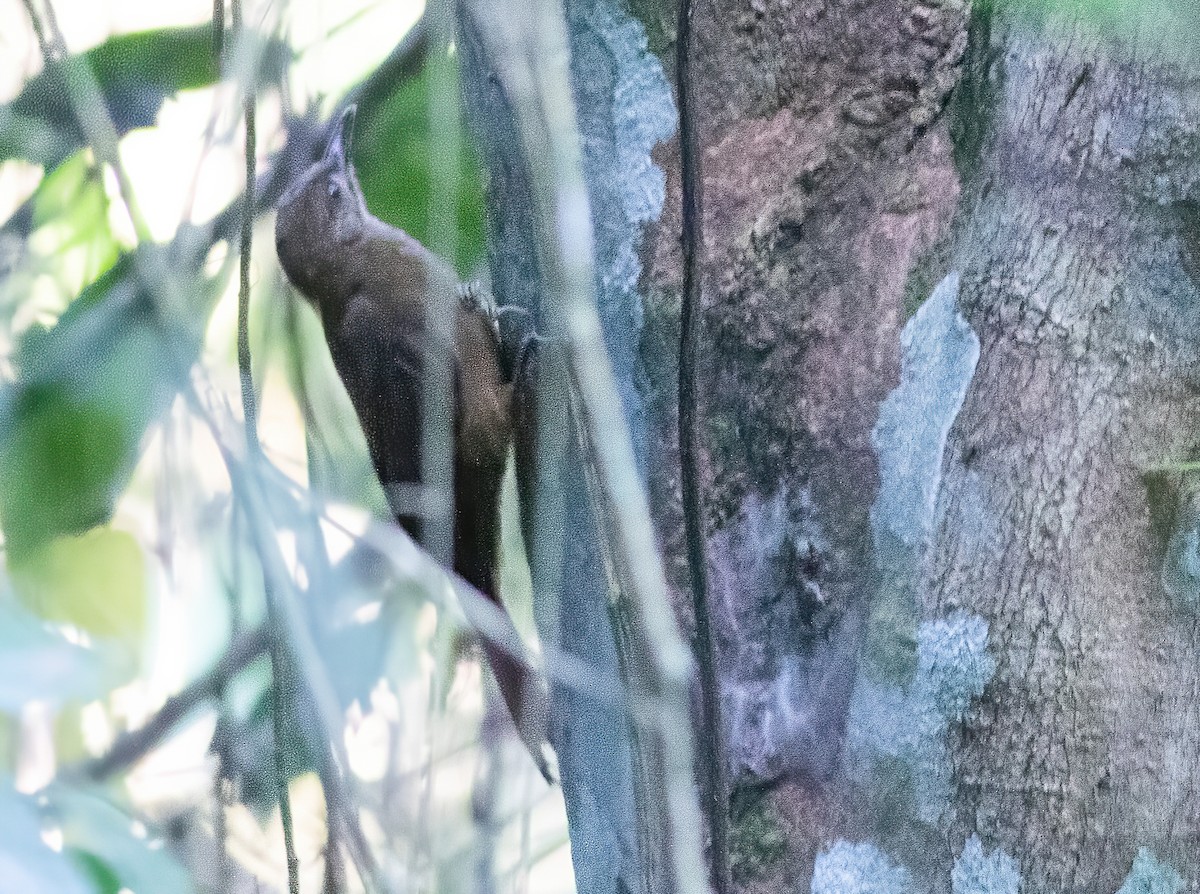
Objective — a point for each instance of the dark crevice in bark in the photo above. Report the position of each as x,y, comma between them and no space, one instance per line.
711,737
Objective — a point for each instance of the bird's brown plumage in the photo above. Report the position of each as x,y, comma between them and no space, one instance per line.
370,283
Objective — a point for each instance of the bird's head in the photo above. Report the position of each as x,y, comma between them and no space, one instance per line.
320,216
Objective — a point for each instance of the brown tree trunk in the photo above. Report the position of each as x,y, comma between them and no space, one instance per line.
829,180
855,154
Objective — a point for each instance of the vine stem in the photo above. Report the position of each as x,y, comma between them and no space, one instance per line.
281,682
712,752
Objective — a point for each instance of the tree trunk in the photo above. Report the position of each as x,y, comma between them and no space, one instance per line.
625,776
951,599
1075,243
829,180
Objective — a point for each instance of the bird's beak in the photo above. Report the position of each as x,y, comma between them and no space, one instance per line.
339,147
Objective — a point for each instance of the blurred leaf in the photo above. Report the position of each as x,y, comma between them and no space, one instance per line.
112,847
72,200
370,616
136,73
355,655
62,458
392,155
38,664
26,862
96,582
104,880
72,423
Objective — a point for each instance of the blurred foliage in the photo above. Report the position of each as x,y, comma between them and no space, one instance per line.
97,582
362,620
136,73
71,200
105,840
102,850
37,664
72,422
29,863
101,345
394,157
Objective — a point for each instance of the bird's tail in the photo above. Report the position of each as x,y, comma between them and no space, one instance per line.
528,702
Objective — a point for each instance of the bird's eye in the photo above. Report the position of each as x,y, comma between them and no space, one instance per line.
334,189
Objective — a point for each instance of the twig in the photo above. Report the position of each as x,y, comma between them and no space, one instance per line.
90,110
246,484
249,404
133,746
218,30
437,448
712,752
281,683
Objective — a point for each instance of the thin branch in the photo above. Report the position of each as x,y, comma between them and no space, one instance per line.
218,30
712,751
281,682
437,447
133,746
249,403
90,110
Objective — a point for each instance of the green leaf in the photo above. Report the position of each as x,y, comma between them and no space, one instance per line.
26,862
104,880
72,423
112,847
74,241
96,582
136,73
393,154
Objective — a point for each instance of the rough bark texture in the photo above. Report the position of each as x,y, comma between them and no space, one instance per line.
833,207
1075,245
829,177
1033,630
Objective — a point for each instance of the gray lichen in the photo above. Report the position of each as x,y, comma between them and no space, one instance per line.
1149,876
1181,566
953,665
847,868
978,873
916,679
897,735
940,352
626,107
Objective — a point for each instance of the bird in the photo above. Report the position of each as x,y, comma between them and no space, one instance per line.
370,284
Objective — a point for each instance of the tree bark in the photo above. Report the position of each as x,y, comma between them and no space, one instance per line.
598,586
955,563
829,182
1074,241
1015,660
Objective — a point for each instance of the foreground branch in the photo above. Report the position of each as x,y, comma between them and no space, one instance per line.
133,746
527,53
